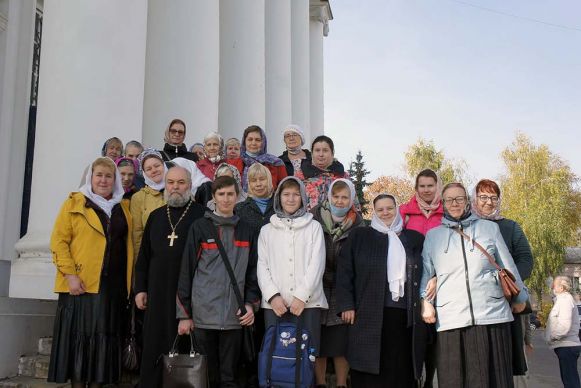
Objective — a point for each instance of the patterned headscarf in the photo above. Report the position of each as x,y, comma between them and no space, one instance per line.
262,157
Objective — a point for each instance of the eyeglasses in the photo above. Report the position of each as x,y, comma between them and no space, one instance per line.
485,198
290,135
176,131
458,200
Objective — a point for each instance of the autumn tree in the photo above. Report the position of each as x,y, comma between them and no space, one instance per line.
538,191
401,188
358,172
424,154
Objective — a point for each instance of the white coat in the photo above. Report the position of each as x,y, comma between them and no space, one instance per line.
291,261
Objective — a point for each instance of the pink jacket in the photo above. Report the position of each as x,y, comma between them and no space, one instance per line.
414,219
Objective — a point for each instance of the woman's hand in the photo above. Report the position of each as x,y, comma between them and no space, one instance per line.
278,306
76,286
428,312
431,288
518,307
348,316
141,300
297,307
248,318
185,326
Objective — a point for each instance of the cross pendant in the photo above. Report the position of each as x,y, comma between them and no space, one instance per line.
172,237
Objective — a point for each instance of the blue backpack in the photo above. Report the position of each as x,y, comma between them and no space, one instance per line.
285,359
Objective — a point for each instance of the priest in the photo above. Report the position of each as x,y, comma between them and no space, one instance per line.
157,270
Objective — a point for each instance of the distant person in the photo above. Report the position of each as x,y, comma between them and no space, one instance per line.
113,148
174,142
321,171
254,150
214,150
206,304
232,148
157,270
92,251
132,149
472,315
294,140
128,170
562,331
338,217
198,149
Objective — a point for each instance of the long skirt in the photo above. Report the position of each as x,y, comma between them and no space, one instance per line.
87,337
395,360
475,357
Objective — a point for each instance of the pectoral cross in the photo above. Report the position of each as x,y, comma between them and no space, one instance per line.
172,237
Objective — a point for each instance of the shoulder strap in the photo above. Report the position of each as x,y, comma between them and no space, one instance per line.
480,247
214,234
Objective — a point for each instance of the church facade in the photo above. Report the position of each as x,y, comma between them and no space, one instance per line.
76,72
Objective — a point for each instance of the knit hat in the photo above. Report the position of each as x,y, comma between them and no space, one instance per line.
295,129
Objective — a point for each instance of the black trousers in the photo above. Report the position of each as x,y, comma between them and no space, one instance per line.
222,347
475,357
395,360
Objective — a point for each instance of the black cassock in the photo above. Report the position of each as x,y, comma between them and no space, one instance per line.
156,272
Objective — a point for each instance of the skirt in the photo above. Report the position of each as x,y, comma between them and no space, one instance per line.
395,360
311,321
87,337
475,357
334,341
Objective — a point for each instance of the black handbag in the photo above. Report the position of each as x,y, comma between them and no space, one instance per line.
131,353
248,345
184,370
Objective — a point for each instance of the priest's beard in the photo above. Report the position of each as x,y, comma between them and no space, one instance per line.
177,199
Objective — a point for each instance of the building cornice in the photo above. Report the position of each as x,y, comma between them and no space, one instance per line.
320,10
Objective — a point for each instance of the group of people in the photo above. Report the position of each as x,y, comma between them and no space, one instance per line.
172,231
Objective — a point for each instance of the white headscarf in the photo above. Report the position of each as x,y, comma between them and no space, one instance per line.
145,155
105,204
396,256
198,176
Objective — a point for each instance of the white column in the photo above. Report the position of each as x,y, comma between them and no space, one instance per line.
301,93
17,20
92,69
316,79
182,68
278,72
242,66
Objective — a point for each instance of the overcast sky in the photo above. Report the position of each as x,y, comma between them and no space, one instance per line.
466,77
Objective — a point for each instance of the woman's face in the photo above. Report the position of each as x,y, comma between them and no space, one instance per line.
386,210
127,175
177,134
341,198
153,169
102,181
259,185
455,200
233,151
322,155
199,151
292,139
486,202
114,150
290,199
254,142
212,147
426,188
557,287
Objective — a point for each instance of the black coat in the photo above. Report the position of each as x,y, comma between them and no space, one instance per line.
171,152
290,171
249,212
361,286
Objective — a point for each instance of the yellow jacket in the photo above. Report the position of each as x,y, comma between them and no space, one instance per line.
78,244
143,203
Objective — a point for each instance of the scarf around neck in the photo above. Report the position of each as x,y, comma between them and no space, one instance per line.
396,256
336,229
105,204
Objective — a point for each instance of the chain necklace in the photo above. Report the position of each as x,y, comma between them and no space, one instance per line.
173,234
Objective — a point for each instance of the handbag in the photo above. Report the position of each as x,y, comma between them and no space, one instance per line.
184,370
507,279
131,353
248,345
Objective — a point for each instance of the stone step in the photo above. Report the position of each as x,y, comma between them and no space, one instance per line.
33,366
30,382
44,346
